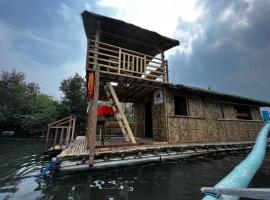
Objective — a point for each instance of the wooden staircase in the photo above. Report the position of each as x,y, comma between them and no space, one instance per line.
119,113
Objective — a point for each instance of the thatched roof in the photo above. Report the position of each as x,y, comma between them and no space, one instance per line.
218,96
125,35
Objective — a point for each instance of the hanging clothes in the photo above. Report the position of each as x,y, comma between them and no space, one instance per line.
105,111
91,85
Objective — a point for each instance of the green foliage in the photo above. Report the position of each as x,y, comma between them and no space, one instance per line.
22,107
74,101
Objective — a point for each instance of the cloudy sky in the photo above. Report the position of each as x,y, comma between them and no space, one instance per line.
225,44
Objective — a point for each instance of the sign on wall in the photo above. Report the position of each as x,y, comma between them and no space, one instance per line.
265,111
158,96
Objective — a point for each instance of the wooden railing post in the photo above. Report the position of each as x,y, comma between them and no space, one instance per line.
61,137
55,138
73,128
163,63
47,138
119,61
68,130
144,66
167,71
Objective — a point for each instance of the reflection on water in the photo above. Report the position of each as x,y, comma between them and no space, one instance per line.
21,159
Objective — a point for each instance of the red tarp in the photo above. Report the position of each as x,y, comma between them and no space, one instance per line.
105,111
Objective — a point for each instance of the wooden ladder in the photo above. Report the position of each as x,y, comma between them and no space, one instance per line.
119,113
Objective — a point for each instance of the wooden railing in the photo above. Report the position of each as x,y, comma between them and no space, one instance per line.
61,133
115,60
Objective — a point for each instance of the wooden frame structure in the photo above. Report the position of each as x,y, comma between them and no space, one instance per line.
120,61
112,56
62,131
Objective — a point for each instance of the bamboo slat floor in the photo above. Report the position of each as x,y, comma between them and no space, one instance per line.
78,148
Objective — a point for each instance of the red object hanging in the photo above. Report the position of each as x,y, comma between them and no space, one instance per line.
105,111
91,85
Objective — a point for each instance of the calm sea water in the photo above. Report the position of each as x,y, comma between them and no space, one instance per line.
20,159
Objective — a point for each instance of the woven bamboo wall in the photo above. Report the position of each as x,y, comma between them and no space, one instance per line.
139,118
158,119
159,122
209,121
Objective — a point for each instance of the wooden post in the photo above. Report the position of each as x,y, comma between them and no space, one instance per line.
61,137
167,72
144,66
47,138
68,130
119,62
73,128
164,65
92,113
55,138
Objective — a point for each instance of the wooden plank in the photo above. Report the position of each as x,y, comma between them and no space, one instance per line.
104,54
121,112
105,60
104,48
128,50
60,120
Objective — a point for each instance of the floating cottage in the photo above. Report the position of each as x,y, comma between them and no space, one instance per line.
171,121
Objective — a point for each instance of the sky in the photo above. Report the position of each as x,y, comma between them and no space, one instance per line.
224,44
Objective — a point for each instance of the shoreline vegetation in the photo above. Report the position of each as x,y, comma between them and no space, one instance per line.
27,111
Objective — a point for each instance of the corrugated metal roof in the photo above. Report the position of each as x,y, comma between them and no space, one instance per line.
126,35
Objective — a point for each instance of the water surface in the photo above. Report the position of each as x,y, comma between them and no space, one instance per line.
21,159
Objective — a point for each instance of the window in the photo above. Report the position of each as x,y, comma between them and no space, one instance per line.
180,105
242,112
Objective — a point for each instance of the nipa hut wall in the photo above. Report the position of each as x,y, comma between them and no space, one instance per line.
139,118
159,122
158,119
209,121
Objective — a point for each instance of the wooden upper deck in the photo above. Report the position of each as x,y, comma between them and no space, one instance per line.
117,61
122,51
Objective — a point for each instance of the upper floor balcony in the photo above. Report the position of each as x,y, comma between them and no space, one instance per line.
119,49
115,60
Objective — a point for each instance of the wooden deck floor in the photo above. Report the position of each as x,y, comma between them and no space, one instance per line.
78,148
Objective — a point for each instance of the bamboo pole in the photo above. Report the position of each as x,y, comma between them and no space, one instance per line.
61,137
73,128
68,130
47,138
92,113
55,138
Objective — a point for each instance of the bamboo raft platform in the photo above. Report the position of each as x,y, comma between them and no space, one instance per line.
75,156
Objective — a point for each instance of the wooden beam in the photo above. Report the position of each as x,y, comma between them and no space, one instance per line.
73,128
58,121
55,138
121,112
92,112
47,138
61,137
